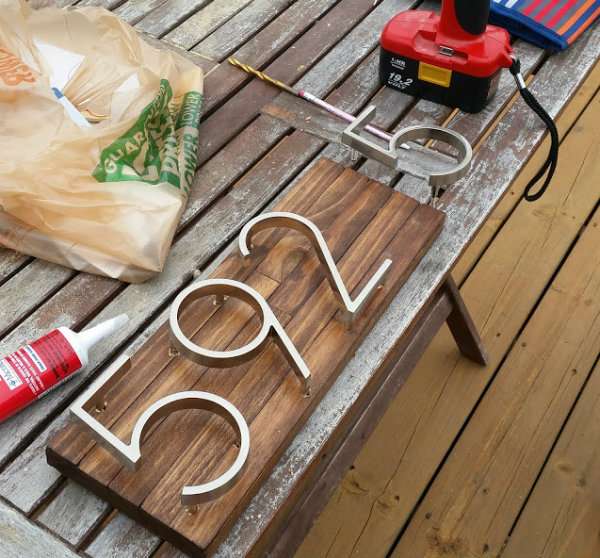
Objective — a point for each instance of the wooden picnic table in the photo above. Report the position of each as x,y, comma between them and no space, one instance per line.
248,160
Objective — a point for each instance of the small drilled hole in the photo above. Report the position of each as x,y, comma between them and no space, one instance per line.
100,407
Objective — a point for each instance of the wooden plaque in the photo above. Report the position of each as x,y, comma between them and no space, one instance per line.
363,223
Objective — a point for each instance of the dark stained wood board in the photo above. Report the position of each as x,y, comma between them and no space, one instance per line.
363,222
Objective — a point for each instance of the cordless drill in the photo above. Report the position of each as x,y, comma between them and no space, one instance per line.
453,58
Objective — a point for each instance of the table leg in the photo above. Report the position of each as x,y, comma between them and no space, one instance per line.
462,327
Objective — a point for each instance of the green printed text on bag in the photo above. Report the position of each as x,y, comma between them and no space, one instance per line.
162,145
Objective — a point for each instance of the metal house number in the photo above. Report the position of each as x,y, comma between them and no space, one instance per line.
130,454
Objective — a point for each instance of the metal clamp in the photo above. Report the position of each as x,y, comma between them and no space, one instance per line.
392,157
351,308
226,359
130,454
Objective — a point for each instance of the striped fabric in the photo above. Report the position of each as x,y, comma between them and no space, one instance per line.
552,24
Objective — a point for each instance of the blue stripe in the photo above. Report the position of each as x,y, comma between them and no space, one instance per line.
582,19
521,5
526,28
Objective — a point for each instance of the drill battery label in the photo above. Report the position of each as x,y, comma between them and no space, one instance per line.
161,147
396,80
435,74
398,63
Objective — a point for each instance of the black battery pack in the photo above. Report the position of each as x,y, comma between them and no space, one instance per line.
451,88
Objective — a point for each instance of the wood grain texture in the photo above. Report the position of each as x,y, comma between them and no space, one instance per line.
20,537
73,513
167,550
133,11
204,22
168,14
107,4
380,493
11,262
477,496
44,279
28,480
203,62
383,224
232,34
561,516
123,538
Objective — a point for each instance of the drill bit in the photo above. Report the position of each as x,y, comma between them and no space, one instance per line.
262,76
308,97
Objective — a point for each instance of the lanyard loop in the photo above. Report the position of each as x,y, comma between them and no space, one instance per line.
549,165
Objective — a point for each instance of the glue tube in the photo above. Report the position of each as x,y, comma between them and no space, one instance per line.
41,366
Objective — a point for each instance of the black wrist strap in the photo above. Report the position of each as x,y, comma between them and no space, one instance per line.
549,165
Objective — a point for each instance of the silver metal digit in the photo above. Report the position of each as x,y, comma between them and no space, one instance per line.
130,454
225,359
351,308
392,156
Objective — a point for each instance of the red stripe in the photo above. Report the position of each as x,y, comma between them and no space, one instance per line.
542,14
558,15
531,7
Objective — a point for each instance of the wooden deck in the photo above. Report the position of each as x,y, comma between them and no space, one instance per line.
468,461
502,461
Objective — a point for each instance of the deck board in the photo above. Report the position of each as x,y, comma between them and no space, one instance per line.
562,513
476,497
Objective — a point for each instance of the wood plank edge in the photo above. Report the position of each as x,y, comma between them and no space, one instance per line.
73,472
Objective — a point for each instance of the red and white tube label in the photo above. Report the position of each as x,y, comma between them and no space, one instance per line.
33,370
